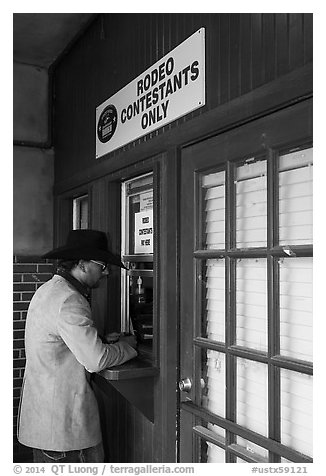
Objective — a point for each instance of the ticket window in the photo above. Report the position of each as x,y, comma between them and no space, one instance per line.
137,253
135,379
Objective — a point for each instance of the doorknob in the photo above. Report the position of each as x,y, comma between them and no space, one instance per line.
185,385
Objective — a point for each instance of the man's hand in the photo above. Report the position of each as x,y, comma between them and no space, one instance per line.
129,339
117,336
112,337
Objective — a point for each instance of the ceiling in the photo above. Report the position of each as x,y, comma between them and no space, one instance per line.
39,39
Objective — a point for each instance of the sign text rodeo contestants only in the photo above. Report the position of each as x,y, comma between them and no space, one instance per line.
171,88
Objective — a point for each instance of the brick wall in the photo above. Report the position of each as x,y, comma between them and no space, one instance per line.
29,274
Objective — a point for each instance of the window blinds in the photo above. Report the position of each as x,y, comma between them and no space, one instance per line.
295,197
296,411
215,300
294,179
296,332
214,400
251,205
251,303
214,196
252,408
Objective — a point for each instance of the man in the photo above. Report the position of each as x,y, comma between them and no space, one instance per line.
59,415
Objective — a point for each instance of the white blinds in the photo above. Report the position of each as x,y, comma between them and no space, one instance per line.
215,454
214,186
251,205
252,401
215,377
295,299
215,299
296,334
295,198
214,400
251,303
296,411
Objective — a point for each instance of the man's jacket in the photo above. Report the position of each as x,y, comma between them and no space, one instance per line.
58,409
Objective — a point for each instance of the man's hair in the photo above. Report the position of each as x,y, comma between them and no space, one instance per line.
67,265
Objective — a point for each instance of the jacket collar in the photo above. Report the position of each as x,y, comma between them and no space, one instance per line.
83,290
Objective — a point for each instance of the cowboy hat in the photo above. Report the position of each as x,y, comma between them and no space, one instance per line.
85,244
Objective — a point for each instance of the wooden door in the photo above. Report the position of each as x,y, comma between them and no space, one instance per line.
244,247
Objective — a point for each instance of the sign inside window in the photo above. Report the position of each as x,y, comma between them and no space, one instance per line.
144,231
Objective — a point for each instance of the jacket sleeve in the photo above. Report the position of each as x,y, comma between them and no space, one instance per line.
77,330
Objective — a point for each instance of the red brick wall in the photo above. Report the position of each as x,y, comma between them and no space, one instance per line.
29,274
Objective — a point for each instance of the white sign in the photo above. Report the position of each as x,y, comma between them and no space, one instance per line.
144,232
171,88
146,201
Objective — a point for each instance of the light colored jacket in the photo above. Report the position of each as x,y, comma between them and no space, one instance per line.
58,409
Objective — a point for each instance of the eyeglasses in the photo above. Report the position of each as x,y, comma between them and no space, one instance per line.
103,266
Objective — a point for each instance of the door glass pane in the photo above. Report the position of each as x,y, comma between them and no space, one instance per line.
215,454
296,335
251,303
252,395
213,381
295,197
213,186
251,205
296,411
214,300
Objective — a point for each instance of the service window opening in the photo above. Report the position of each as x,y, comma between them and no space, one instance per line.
137,252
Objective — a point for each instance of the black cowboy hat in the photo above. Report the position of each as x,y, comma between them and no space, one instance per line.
85,244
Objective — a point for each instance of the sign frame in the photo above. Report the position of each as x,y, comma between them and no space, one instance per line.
169,89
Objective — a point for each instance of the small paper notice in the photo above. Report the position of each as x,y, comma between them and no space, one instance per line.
144,232
146,201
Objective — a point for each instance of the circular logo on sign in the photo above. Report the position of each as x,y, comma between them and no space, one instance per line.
107,123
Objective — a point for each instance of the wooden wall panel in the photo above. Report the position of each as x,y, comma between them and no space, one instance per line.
127,434
282,52
269,57
308,38
257,57
296,40
234,56
243,52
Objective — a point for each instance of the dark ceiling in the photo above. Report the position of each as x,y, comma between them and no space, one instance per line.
40,38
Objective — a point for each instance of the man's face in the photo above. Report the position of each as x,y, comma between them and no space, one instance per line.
94,272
